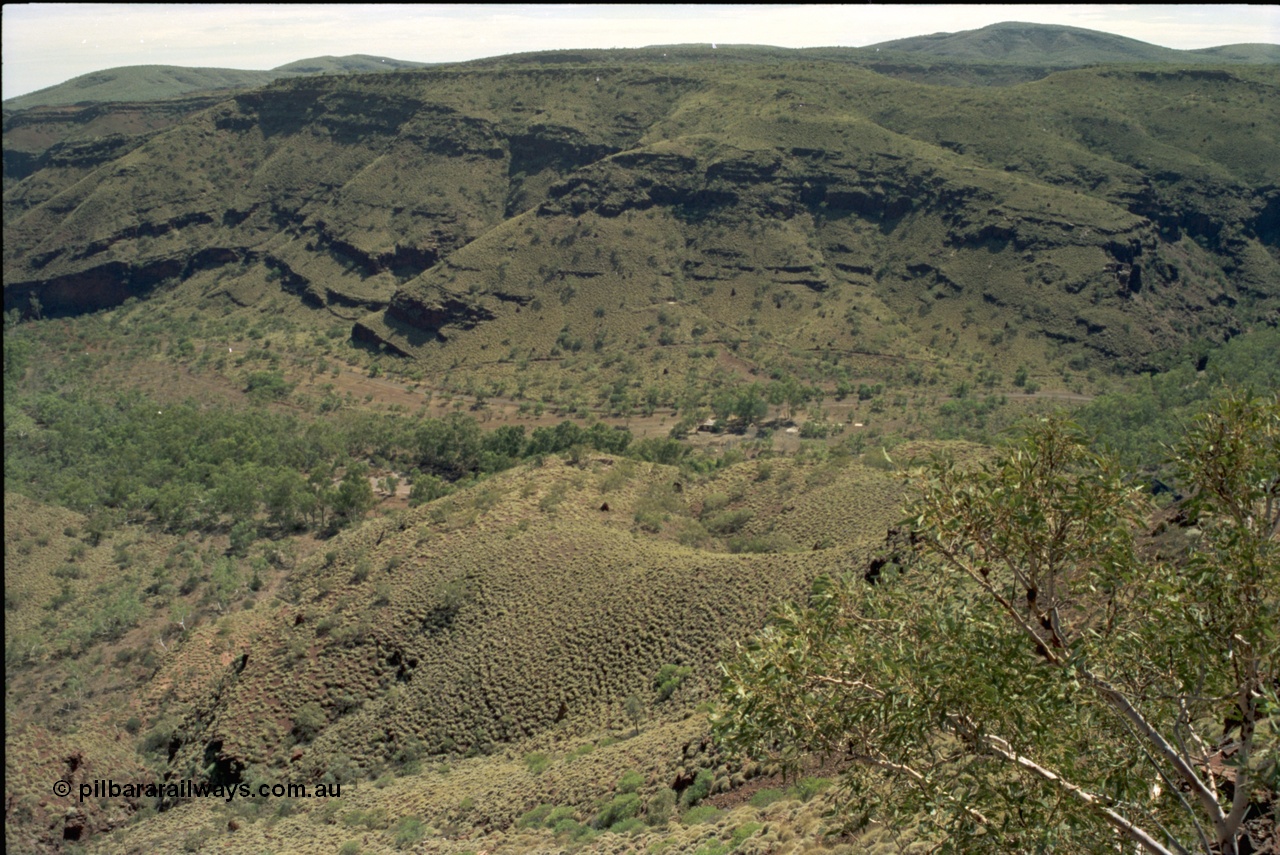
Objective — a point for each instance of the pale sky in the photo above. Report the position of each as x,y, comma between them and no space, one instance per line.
48,43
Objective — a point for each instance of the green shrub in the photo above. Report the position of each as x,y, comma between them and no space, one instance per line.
374,819
742,832
660,805
670,678
630,781
427,488
815,430
699,789
700,814
267,385
649,521
67,571
558,815
878,459
660,450
573,829
535,817
308,721
807,788
623,806
537,763
409,831
729,522
627,826
764,798
759,544
714,503
160,736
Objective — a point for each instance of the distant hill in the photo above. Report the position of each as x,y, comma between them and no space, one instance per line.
356,63
1037,46
158,82
140,83
1241,53
1043,44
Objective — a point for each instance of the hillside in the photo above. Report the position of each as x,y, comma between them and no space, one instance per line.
985,56
434,433
161,82
528,609
475,218
88,120
140,83
1053,45
64,144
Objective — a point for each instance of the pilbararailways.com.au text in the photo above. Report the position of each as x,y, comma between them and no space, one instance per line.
109,789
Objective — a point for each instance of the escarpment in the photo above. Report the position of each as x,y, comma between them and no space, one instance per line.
499,202
1083,271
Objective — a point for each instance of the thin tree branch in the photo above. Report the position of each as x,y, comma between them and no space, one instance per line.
1002,749
1204,795
1204,839
849,684
1240,801
1184,718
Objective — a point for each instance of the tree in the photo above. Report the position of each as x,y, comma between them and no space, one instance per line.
1034,681
243,534
449,447
176,505
285,495
354,495
235,491
507,442
267,386
634,708
746,403
789,394
751,405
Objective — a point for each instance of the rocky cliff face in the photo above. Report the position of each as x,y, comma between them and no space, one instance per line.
338,192
81,137
421,206
1078,270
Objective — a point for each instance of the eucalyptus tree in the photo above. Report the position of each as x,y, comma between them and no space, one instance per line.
1039,679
